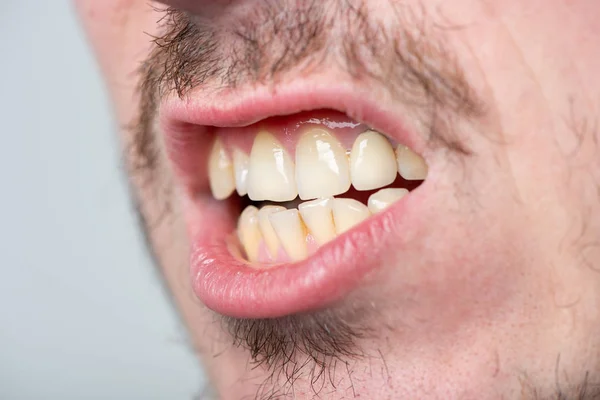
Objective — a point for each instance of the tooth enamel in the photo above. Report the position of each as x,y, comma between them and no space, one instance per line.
372,161
411,166
240,168
220,172
384,198
291,233
266,229
322,168
318,218
271,173
347,213
249,232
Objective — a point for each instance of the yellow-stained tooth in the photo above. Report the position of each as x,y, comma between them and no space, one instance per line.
266,229
291,233
322,168
249,232
318,218
372,161
220,172
271,173
411,166
347,213
240,168
384,198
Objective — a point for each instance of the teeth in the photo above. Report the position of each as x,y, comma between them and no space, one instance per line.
240,168
384,198
318,217
291,233
266,229
322,168
220,172
249,232
347,213
411,166
372,161
272,175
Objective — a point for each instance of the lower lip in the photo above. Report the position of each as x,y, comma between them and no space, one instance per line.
228,285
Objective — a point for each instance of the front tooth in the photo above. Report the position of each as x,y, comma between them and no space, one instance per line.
347,213
249,232
318,218
220,172
291,233
266,229
372,161
271,170
411,166
384,198
322,168
240,167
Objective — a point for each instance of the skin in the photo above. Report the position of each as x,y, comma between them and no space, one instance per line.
496,293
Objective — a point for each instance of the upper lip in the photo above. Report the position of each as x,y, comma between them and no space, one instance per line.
222,281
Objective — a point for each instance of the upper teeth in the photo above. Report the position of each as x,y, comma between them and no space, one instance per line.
220,171
321,169
372,162
271,171
241,163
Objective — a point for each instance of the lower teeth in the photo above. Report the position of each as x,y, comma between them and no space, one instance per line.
275,234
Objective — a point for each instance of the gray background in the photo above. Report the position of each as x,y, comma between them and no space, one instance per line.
82,312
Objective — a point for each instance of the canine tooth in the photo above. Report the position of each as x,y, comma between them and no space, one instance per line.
271,173
384,198
220,172
322,168
347,213
240,168
291,233
249,232
266,229
318,218
372,161
411,166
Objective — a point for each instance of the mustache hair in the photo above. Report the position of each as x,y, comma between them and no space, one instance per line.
410,59
269,42
275,38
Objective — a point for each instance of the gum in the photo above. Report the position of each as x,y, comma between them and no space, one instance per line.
288,129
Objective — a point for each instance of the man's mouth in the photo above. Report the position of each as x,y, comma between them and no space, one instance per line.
309,178
287,209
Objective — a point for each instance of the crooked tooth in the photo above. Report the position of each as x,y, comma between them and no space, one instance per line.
291,233
384,198
322,168
220,172
411,166
266,229
318,218
271,173
249,232
372,161
348,213
241,162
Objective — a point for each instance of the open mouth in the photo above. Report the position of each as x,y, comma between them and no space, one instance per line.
306,179
288,204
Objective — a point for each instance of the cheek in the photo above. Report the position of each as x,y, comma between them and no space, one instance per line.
473,256
120,32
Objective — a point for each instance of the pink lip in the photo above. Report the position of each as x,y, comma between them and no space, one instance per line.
223,281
